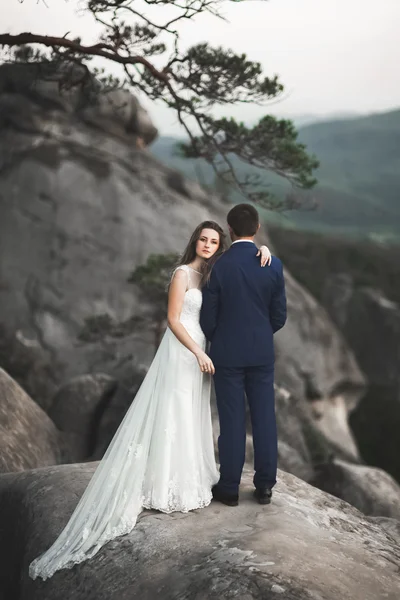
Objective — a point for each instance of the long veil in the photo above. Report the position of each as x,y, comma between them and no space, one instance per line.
162,455
112,501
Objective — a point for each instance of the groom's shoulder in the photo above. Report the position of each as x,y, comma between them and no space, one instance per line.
276,265
276,262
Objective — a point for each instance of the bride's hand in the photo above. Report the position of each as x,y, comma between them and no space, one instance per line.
205,363
265,254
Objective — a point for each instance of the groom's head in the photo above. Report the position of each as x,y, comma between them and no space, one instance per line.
243,221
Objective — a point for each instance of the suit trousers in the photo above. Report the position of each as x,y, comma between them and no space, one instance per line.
232,384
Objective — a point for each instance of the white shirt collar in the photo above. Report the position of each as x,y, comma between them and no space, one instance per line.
237,241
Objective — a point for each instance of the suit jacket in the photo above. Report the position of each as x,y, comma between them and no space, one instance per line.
243,305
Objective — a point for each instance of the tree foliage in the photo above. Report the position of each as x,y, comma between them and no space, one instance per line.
192,82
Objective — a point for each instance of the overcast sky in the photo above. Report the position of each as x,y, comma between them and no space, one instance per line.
332,56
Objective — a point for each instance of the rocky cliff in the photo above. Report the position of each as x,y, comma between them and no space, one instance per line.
306,546
81,206
82,202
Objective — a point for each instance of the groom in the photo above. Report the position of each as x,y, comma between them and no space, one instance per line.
243,306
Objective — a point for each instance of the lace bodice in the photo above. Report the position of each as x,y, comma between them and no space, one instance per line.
190,314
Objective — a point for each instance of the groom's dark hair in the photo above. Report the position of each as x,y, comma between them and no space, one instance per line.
243,219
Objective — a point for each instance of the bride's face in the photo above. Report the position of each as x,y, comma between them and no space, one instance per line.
207,244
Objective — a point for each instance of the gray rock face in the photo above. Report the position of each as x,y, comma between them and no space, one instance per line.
80,209
31,366
303,346
115,407
371,490
28,438
71,88
75,410
292,549
371,324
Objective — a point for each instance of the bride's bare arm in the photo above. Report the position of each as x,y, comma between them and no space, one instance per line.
176,297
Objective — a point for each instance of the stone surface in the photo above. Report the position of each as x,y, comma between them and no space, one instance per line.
30,365
371,490
28,438
71,88
371,324
76,409
116,406
306,545
391,526
303,347
305,438
376,426
80,208
291,461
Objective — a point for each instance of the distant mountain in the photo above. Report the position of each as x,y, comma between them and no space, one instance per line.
301,120
359,175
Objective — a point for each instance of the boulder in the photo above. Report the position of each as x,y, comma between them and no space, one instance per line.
76,410
391,526
373,491
314,362
73,89
371,325
291,461
28,438
29,364
295,548
115,408
305,440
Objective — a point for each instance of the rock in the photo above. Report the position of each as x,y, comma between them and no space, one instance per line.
289,460
28,438
120,111
30,365
332,418
391,526
81,208
303,442
376,426
249,552
76,410
371,490
376,342
314,362
71,88
292,417
336,295
116,406
371,324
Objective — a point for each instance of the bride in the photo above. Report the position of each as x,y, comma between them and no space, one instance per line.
162,456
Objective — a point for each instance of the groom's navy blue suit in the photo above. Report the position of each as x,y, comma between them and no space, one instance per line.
243,305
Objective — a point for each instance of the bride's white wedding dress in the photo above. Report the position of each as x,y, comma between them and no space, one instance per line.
161,457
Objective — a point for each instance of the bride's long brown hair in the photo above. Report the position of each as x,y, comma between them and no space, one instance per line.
189,253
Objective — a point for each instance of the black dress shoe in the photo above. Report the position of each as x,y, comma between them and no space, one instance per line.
220,496
263,495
